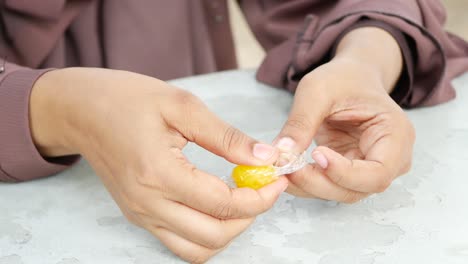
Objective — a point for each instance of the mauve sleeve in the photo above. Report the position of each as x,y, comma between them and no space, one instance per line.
300,35
19,158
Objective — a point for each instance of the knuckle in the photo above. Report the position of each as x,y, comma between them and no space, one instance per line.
218,239
182,113
232,138
351,197
261,205
223,210
299,122
338,178
300,179
185,98
131,200
133,194
193,256
130,217
338,174
407,167
383,184
134,205
148,177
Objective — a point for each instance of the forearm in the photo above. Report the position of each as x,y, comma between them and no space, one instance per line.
375,49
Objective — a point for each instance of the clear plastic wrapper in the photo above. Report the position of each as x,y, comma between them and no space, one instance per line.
256,177
294,163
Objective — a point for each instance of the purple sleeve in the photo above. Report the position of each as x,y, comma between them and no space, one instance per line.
19,158
403,87
300,35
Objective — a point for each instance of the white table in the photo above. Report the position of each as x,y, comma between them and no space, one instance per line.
421,218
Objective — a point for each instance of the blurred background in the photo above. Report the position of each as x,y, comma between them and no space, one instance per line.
250,54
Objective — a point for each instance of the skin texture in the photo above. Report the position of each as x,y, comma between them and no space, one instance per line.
132,129
364,138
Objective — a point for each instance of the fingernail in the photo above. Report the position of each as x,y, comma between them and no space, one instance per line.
263,151
286,144
320,159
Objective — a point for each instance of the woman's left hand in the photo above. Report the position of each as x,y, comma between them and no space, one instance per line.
364,138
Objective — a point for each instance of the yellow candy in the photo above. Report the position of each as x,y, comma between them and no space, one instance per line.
254,177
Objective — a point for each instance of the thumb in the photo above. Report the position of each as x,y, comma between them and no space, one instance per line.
303,122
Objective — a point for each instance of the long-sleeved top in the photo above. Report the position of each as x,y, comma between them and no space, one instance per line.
170,39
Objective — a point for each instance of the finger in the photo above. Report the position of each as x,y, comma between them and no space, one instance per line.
311,182
183,248
360,175
195,226
304,120
210,195
393,151
198,124
354,154
225,203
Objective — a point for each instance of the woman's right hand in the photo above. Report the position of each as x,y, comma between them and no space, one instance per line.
132,129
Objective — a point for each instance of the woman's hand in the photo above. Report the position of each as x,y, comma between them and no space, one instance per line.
132,129
364,138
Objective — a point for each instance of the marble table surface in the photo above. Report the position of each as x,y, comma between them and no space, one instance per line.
422,218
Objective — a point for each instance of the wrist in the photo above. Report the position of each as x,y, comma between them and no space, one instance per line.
373,48
47,116
343,77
